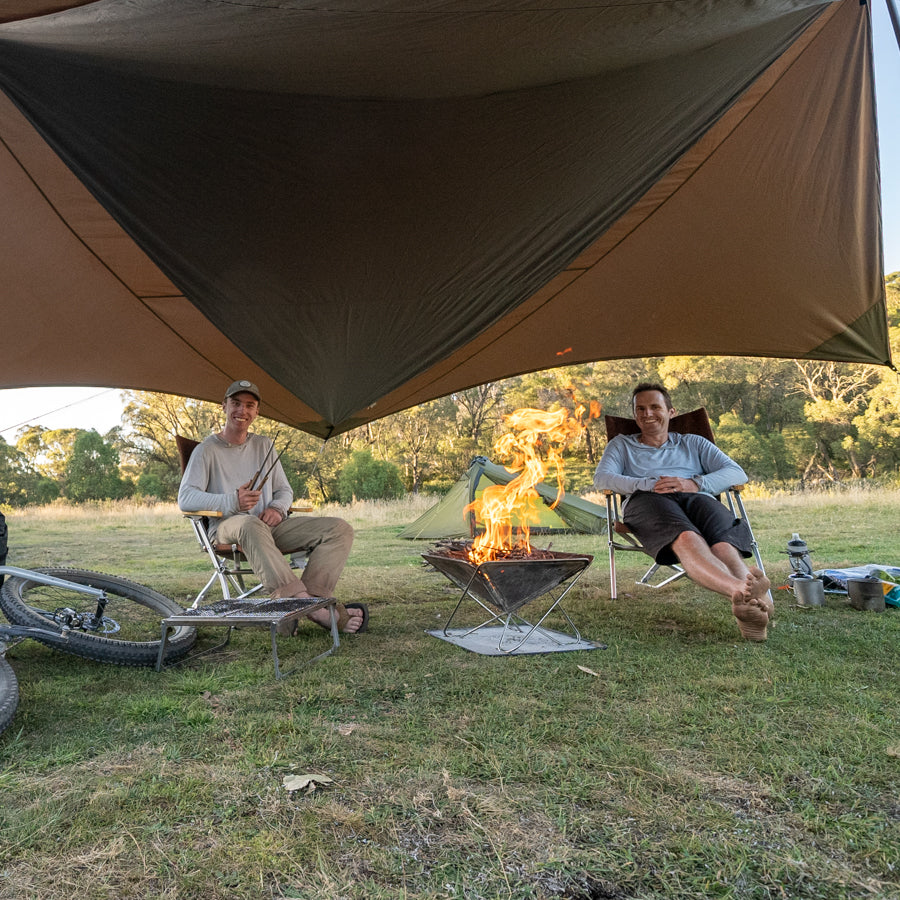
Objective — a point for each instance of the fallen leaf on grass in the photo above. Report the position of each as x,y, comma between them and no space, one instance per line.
589,671
299,782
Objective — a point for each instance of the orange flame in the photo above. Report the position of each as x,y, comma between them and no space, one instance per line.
534,433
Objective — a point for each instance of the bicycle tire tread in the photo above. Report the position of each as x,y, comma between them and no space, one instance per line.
13,601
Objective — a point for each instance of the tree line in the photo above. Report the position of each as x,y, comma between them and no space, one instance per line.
784,421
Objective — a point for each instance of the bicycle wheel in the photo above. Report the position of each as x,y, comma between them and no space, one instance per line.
124,631
9,693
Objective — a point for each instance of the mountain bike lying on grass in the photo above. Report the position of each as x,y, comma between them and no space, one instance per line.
100,617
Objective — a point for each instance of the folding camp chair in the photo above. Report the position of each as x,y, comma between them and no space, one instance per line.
238,606
620,537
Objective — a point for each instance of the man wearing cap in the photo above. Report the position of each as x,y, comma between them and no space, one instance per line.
218,477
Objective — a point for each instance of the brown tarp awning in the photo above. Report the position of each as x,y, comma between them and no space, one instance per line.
363,206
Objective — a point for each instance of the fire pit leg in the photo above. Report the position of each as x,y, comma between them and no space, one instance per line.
513,620
576,634
467,593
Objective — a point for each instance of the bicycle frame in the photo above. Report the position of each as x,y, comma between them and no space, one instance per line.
66,618
12,634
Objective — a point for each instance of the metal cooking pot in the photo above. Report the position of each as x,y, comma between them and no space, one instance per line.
808,591
866,593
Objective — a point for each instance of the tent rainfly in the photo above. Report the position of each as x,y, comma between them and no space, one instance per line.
449,519
362,206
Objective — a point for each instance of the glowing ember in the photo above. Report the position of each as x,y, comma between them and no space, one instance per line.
535,443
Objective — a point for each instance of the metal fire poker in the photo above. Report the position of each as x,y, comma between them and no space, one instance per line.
265,460
259,487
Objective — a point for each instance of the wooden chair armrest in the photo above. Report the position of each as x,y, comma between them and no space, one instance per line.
217,514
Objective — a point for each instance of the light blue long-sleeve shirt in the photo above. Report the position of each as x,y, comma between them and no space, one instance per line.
627,465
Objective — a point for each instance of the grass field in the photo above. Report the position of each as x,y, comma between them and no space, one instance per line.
680,762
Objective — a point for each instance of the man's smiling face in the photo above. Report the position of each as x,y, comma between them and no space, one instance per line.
241,410
652,413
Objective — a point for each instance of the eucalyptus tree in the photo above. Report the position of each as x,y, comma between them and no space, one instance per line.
478,409
92,470
47,450
835,395
424,443
152,421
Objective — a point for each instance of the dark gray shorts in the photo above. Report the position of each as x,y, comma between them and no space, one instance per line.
658,519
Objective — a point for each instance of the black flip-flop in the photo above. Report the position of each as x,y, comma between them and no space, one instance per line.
365,615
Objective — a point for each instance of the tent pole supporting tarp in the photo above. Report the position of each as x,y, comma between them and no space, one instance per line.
895,18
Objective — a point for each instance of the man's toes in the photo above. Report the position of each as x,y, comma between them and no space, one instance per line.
759,584
354,623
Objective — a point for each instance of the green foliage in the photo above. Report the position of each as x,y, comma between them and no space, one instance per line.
19,482
92,470
746,446
367,478
150,484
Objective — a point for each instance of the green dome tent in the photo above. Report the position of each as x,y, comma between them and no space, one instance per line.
448,518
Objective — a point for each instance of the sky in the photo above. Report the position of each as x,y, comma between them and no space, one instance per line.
101,408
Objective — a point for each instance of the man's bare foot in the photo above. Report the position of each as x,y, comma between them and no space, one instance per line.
350,619
751,611
759,588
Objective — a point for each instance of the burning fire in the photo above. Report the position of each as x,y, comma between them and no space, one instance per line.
534,434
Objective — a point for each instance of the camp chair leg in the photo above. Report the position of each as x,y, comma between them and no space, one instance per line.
610,541
613,543
648,575
206,589
612,570
754,545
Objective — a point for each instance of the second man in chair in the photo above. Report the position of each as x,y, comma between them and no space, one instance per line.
670,481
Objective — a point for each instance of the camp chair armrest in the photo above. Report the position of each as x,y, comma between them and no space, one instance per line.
218,514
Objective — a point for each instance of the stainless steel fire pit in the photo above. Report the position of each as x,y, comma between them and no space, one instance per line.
502,586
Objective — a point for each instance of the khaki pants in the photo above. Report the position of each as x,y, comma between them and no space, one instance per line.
326,540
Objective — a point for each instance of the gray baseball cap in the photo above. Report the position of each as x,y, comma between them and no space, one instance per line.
240,387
